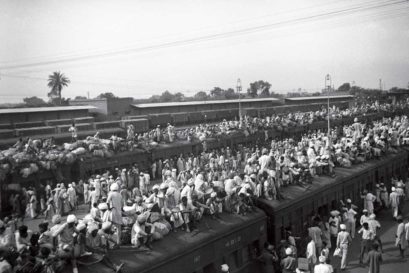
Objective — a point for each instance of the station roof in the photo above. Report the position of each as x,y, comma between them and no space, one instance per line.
188,103
320,98
45,109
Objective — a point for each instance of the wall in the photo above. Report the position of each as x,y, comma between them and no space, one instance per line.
118,107
100,104
10,118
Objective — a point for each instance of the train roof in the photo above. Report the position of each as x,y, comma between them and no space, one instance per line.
346,97
45,109
294,194
182,244
187,103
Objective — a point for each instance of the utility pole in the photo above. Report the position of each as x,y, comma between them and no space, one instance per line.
238,87
328,84
380,84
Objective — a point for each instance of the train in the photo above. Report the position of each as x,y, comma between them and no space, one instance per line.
238,240
87,165
195,117
235,240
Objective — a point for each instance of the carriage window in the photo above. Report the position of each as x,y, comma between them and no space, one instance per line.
210,268
233,260
245,254
334,204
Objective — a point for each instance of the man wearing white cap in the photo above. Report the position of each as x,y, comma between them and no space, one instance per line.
364,217
311,253
142,232
289,263
394,202
333,222
350,218
343,240
369,198
115,202
323,267
224,268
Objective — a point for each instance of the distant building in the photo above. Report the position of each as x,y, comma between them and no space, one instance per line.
41,114
107,108
198,106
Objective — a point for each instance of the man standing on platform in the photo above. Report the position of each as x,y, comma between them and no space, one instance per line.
343,241
375,259
115,201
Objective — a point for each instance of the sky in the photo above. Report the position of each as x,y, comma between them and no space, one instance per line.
143,47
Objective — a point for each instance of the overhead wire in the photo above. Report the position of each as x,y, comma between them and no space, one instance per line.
212,37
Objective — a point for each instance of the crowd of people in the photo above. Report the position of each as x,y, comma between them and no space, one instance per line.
136,207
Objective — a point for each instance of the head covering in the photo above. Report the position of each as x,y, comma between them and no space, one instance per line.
81,226
161,195
92,227
56,219
224,268
334,213
349,200
190,182
155,187
322,259
71,218
393,189
372,216
103,206
365,210
213,194
288,251
342,226
98,176
170,191
106,225
114,187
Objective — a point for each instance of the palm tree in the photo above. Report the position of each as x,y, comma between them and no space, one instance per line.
56,82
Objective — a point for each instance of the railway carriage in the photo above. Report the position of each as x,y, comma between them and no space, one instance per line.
233,239
325,193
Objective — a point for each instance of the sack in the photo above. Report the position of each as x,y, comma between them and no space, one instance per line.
337,252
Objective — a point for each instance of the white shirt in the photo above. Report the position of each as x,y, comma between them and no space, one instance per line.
323,268
407,231
373,226
311,252
333,229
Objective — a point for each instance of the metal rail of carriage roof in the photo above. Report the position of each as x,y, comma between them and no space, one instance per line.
324,98
189,103
45,109
294,193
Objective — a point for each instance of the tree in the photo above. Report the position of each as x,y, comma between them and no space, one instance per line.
34,102
178,97
106,95
345,87
230,94
259,87
201,95
56,82
216,92
166,96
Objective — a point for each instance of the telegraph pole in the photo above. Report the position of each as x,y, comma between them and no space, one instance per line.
238,87
328,83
